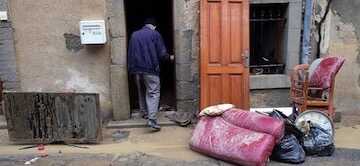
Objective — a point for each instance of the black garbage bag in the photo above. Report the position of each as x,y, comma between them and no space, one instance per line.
318,142
288,150
290,127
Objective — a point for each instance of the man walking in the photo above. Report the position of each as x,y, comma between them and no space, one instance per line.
146,50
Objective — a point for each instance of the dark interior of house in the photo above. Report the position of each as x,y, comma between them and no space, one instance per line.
267,27
136,13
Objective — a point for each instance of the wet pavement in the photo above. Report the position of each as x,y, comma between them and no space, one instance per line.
140,147
341,157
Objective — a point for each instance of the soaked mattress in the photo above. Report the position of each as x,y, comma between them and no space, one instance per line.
215,137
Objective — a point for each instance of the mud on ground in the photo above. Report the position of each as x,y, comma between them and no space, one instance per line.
341,157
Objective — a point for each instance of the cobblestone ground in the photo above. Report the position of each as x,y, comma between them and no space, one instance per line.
342,157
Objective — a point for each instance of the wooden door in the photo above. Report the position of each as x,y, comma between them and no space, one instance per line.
224,41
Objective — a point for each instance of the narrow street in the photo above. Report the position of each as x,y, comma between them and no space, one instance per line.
107,74
345,157
168,147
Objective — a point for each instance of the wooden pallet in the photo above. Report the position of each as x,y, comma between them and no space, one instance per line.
52,117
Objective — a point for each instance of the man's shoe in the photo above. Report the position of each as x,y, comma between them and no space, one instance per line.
153,124
145,116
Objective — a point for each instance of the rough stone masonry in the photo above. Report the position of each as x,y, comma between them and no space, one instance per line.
8,73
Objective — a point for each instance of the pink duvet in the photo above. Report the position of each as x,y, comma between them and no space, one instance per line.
214,136
256,122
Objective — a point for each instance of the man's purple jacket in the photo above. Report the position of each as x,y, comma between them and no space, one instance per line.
146,50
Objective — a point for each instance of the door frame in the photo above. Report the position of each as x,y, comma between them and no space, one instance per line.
186,48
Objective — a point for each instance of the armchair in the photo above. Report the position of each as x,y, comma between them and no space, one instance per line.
312,87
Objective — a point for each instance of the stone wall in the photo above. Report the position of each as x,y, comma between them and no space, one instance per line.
8,73
115,12
341,34
270,98
49,55
187,51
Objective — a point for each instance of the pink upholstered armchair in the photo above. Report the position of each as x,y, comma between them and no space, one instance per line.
312,87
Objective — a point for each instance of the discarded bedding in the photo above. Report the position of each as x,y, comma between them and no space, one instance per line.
256,122
216,110
217,138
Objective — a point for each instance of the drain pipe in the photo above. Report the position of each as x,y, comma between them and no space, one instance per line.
306,43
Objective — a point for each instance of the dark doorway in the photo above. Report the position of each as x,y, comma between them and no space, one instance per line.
136,12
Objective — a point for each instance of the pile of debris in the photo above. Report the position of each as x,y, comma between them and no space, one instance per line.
306,138
252,138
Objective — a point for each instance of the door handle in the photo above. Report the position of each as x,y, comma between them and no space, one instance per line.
246,58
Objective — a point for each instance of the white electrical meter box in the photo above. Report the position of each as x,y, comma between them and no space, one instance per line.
3,16
92,32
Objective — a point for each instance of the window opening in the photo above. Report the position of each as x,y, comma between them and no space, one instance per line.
267,27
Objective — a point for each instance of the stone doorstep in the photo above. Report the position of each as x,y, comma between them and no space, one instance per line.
136,124
119,124
2,122
2,126
131,123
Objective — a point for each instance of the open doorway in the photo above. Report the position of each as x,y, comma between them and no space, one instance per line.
136,11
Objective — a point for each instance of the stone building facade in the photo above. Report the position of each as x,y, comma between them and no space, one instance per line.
7,53
40,51
340,35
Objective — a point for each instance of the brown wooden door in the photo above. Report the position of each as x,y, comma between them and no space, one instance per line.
224,39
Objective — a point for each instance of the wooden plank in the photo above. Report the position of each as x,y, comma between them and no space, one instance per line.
52,117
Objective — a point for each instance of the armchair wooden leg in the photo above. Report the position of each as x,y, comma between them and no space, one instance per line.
331,111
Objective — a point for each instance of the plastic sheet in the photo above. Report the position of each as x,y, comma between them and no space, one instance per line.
288,150
215,137
256,122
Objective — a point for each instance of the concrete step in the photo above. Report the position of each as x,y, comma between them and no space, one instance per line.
135,124
2,122
137,121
